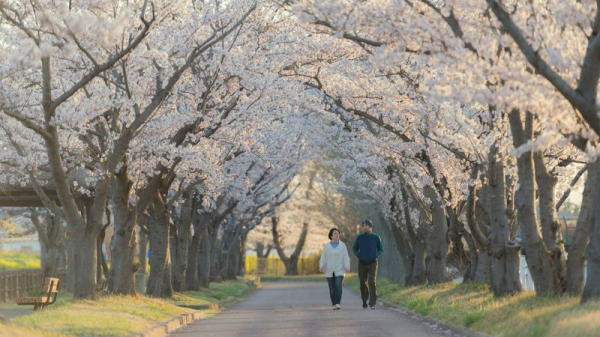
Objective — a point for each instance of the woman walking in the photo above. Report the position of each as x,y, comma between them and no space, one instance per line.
334,263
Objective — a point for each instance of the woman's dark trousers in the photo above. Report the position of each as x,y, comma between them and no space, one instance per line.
335,288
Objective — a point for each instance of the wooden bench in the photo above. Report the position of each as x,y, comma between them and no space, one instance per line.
49,293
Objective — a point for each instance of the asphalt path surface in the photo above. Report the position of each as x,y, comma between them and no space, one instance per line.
294,309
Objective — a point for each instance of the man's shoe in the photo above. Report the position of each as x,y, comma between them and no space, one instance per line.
372,306
338,307
334,307
364,305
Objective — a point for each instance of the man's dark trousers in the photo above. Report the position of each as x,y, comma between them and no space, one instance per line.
367,274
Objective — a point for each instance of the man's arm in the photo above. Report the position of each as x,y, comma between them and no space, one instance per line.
346,260
379,249
355,248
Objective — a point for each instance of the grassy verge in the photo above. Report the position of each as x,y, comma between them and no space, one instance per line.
63,297
118,315
9,260
206,299
298,278
474,306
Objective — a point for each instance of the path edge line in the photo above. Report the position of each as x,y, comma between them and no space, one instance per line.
162,329
174,324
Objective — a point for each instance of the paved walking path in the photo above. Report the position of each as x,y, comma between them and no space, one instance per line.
12,313
293,309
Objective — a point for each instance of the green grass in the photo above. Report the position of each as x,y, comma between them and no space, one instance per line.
9,260
119,315
61,298
216,293
473,305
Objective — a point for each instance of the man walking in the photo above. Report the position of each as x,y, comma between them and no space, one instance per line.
367,248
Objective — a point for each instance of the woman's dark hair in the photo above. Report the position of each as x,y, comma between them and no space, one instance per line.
331,232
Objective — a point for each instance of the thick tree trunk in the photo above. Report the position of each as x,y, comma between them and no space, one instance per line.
183,238
123,249
84,263
99,243
417,239
173,247
226,253
457,234
102,266
63,257
70,242
581,237
234,260
191,275
123,254
419,270
85,231
231,252
473,257
159,281
550,224
241,269
123,243
290,263
50,235
478,241
142,251
224,264
407,257
403,245
592,283
538,257
205,264
406,240
261,252
215,254
291,266
438,244
50,259
505,279
483,271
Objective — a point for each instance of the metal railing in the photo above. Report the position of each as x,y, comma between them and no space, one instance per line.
274,266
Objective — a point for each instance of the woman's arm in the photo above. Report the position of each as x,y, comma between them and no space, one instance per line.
322,259
346,260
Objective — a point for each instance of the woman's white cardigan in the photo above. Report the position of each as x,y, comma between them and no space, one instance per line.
334,260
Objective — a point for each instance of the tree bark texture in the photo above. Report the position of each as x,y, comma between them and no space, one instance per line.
183,239
591,291
437,248
538,257
504,252
581,236
159,281
291,262
550,224
50,234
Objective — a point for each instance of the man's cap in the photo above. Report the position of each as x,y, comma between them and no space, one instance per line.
367,222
